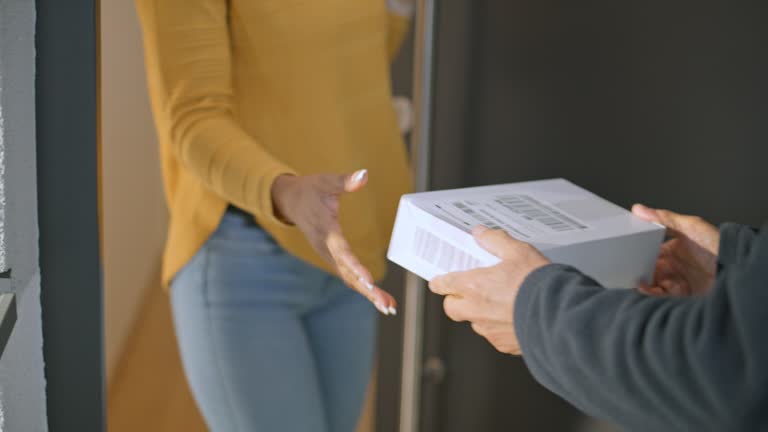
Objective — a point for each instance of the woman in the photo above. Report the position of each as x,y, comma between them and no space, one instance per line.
267,111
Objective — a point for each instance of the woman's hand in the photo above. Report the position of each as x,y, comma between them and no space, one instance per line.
688,262
312,204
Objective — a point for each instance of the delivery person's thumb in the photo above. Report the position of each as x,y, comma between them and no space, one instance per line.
498,242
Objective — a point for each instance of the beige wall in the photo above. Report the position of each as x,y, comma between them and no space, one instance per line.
134,215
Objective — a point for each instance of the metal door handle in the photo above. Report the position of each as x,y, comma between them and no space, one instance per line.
435,370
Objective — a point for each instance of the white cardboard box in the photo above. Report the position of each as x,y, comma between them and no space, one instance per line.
565,222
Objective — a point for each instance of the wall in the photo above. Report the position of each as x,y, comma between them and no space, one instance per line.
17,99
134,215
3,264
22,384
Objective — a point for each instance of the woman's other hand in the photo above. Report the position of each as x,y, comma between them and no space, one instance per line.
312,204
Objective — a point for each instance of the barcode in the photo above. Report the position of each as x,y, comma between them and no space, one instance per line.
531,209
480,217
442,254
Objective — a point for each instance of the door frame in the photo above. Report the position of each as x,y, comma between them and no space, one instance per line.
66,98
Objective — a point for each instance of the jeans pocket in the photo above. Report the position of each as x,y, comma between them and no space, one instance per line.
245,265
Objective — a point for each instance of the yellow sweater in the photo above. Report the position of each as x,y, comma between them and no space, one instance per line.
243,91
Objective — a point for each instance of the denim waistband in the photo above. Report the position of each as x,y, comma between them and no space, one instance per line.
245,215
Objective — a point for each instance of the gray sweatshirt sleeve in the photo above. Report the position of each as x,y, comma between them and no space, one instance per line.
735,245
655,364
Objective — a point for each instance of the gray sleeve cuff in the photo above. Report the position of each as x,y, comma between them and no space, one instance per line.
523,310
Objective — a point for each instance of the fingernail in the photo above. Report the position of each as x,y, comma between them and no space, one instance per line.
392,310
382,309
643,211
479,230
359,176
366,283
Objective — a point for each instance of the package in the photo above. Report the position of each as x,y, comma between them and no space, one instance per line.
569,225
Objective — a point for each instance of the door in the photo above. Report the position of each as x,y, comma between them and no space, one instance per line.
656,102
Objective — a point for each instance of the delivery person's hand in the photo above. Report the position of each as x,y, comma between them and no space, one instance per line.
687,262
486,296
312,204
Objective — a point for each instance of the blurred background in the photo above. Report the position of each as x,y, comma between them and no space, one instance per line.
656,101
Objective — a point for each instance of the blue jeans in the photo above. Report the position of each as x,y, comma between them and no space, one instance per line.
268,342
